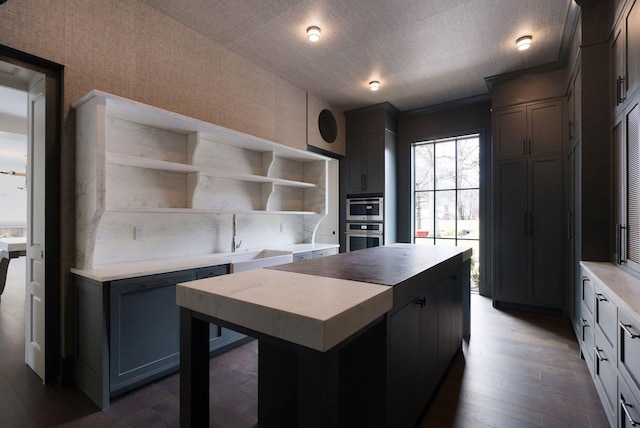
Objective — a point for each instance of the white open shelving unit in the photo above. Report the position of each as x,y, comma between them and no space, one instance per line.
136,158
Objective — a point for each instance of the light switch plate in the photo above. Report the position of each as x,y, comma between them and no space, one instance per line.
138,233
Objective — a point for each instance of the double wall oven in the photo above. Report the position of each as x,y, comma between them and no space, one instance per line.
365,216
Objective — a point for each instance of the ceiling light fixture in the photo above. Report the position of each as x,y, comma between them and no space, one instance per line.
313,33
374,85
524,42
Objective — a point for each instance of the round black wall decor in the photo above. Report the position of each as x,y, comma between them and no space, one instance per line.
327,126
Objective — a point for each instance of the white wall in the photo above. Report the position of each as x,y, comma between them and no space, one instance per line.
13,157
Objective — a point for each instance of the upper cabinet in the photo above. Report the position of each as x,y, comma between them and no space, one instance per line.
528,130
365,164
625,55
369,166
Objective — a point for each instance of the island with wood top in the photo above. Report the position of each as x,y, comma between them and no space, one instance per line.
355,339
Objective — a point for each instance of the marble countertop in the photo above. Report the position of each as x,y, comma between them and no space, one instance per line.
312,311
303,248
150,267
624,288
320,302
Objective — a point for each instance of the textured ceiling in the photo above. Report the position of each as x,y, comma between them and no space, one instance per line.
424,52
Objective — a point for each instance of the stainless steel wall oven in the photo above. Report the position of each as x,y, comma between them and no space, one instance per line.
364,235
365,207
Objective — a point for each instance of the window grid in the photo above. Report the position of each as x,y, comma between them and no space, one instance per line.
432,195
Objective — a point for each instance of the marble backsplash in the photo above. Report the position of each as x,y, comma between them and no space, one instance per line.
174,235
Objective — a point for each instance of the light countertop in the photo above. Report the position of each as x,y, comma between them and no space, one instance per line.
150,267
312,311
625,288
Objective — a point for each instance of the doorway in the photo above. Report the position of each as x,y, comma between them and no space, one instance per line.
42,81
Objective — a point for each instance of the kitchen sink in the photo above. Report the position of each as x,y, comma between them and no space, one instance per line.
258,259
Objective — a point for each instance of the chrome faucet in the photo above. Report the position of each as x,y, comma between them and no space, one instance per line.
235,244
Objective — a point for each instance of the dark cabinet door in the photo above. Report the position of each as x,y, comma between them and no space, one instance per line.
375,174
365,163
356,164
404,366
511,230
144,328
510,128
546,231
617,68
633,46
544,128
528,130
423,337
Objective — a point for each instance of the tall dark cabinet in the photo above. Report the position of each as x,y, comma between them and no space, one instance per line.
528,204
370,164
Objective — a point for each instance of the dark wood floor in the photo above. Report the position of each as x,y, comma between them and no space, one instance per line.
519,370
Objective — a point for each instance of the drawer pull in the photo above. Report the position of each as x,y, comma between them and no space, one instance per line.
598,355
421,301
625,327
625,408
155,284
601,297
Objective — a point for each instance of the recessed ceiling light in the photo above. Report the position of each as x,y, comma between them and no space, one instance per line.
524,42
374,85
313,33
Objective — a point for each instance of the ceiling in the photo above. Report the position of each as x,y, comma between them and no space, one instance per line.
424,52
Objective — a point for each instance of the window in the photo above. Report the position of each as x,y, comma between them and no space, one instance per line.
446,189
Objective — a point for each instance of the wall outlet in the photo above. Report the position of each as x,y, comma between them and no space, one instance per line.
283,227
138,233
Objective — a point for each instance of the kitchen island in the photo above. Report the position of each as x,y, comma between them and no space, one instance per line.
354,339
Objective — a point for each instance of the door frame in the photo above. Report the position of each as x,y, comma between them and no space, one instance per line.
54,106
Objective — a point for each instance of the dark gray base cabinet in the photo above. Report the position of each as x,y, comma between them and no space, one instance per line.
610,340
129,331
424,336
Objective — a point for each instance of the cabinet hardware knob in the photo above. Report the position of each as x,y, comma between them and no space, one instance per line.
626,329
625,408
584,322
601,297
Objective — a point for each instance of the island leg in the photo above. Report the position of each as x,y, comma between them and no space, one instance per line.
297,388
194,370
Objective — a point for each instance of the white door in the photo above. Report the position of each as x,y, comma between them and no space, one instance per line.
34,325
